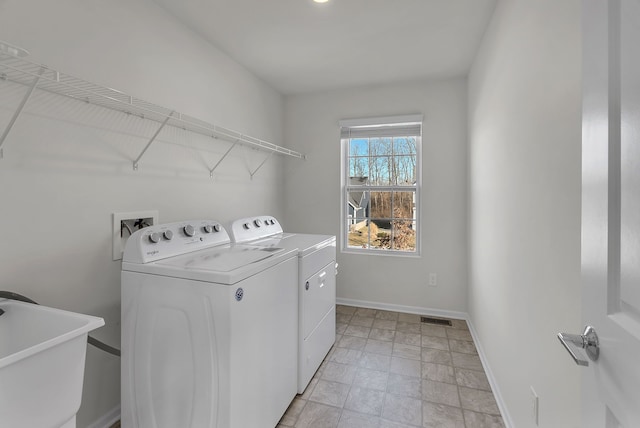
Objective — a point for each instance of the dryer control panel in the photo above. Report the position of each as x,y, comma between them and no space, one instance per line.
250,228
171,239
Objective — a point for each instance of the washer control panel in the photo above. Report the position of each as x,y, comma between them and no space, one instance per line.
171,239
250,228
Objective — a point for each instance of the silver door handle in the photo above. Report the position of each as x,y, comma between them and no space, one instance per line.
575,343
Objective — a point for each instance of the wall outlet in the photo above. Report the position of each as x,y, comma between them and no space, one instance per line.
125,224
535,403
433,280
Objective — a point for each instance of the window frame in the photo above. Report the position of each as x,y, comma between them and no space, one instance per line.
392,122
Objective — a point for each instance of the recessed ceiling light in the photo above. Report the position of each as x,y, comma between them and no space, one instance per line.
320,1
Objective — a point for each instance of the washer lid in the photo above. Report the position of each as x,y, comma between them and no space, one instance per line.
220,259
224,264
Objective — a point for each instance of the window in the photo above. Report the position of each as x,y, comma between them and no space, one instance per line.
381,184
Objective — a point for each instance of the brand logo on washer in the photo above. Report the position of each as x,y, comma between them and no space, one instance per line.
239,294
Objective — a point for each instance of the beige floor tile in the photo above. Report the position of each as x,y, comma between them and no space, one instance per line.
466,361
406,351
402,409
433,330
365,400
337,372
430,355
357,330
441,416
440,393
372,379
478,401
345,355
408,338
435,342
406,386
438,372
472,379
362,321
387,315
462,346
350,419
385,324
412,318
293,412
342,309
405,367
352,342
316,415
375,361
340,327
382,334
365,312
458,334
480,420
408,327
379,347
330,393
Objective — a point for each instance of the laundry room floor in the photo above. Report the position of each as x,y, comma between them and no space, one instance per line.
390,370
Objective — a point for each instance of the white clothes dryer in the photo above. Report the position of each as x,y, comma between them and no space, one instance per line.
209,329
316,281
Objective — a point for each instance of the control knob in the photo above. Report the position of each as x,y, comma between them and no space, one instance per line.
216,228
257,222
168,235
247,226
189,230
208,228
155,237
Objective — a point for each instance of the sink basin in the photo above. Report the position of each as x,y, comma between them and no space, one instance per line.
42,355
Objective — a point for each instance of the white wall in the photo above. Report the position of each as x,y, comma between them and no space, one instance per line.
312,189
68,166
524,221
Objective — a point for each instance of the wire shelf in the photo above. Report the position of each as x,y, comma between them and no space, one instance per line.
43,78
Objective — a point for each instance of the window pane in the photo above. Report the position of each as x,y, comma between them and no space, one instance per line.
380,147
359,147
379,171
404,170
381,205
403,235
404,205
358,235
404,146
380,231
358,206
358,167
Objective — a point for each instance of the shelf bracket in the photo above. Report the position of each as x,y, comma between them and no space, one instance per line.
135,162
222,158
20,108
260,166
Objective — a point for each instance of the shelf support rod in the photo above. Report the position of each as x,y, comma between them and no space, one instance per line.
260,166
222,158
135,162
20,108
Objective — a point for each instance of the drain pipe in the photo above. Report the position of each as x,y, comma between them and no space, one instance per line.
92,341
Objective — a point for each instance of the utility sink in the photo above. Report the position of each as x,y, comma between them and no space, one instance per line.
42,356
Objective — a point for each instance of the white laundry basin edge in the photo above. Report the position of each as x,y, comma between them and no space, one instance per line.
42,357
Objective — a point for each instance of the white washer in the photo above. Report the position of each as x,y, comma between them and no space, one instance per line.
316,286
209,329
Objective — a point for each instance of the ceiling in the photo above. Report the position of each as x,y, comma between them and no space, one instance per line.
299,46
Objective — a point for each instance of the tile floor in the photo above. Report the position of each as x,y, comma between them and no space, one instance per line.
389,370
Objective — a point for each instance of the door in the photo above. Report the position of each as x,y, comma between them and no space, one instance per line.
611,211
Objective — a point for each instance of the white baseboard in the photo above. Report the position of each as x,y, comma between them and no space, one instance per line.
506,417
401,308
107,419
